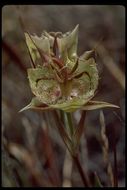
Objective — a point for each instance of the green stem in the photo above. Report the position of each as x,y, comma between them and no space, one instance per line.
62,116
70,123
70,129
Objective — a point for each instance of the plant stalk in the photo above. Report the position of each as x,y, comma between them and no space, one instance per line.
70,128
115,167
81,171
70,124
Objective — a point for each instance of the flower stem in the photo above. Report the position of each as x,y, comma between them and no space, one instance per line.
70,123
70,129
82,173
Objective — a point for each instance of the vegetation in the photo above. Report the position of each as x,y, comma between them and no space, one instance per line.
55,140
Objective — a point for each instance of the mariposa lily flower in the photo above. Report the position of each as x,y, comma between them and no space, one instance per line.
59,78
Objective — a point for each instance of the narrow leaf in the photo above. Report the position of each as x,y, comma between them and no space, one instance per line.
62,131
79,130
92,105
74,67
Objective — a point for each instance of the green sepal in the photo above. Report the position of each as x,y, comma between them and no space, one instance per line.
92,105
71,105
35,104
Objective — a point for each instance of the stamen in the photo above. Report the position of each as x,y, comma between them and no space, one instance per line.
58,78
58,62
75,67
55,34
63,68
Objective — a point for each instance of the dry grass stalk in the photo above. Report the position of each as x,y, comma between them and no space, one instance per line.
105,149
111,66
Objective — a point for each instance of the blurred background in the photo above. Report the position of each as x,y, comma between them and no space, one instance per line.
33,154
